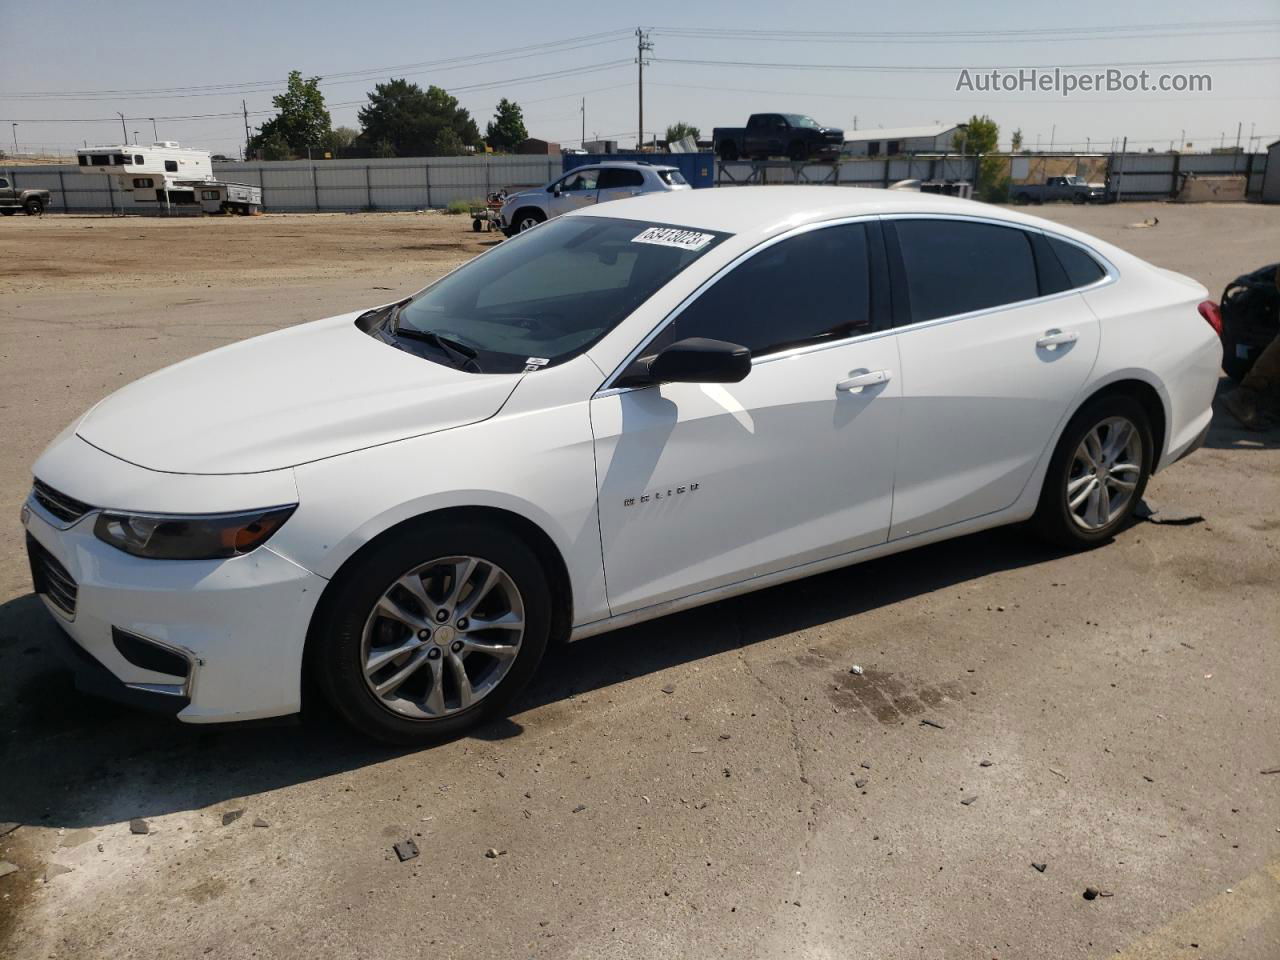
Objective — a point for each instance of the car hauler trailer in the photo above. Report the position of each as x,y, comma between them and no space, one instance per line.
169,179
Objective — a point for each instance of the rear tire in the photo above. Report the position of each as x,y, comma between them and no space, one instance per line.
350,620
798,152
9,211
1022,199
729,152
33,207
1070,476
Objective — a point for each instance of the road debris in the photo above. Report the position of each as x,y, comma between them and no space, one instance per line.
1040,867
669,688
259,822
140,826
984,763
579,808
1090,893
865,764
860,783
405,849
932,723
969,799
856,670
1059,773
1271,770
231,816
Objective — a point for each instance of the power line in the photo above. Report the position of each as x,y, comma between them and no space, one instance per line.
934,68
353,76
1143,30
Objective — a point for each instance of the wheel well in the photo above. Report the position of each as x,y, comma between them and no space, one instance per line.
534,536
1146,395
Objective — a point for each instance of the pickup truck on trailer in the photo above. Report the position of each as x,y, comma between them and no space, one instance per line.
791,135
1074,189
32,202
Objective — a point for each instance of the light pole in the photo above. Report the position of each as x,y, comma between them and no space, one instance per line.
154,134
135,138
15,138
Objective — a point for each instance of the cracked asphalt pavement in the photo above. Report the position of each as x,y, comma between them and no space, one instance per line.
716,783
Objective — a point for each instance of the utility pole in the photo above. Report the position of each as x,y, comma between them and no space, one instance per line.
1053,133
135,138
643,46
123,129
583,143
154,133
15,138
245,109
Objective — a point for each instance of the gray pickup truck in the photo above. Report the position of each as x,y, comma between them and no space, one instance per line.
1074,189
31,202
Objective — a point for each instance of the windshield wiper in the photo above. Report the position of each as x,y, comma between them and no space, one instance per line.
460,354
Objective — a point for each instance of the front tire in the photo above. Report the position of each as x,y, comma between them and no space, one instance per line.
34,206
434,631
527,219
1098,473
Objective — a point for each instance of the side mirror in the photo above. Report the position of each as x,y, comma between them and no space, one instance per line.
697,360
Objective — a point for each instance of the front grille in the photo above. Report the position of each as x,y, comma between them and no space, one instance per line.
50,578
67,509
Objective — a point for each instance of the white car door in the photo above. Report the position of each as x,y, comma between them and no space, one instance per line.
703,485
995,350
575,191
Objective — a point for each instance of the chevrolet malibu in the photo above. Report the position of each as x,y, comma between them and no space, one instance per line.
626,411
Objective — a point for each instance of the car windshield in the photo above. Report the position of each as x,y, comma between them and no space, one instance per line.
546,295
797,120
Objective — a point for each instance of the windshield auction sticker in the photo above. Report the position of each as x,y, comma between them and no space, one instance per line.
673,237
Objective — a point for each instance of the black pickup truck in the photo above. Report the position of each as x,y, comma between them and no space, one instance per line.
11,201
791,135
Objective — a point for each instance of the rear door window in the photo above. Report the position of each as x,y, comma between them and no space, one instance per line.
611,178
1082,270
957,266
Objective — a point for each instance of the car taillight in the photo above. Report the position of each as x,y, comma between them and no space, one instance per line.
1209,310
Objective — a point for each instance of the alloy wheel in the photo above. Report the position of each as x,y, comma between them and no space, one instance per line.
528,223
442,637
1104,473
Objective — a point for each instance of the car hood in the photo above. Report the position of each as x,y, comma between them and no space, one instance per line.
537,194
289,397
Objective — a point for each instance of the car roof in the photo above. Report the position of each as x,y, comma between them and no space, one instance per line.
764,211
625,165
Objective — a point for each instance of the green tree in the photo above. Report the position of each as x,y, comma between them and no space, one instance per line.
980,135
302,121
270,146
506,130
417,122
1015,140
680,130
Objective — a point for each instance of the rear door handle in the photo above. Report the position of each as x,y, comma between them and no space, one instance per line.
869,379
1055,338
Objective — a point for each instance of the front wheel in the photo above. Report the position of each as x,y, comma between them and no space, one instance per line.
528,219
1098,473
434,631
34,206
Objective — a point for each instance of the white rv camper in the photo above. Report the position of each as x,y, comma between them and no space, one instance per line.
166,178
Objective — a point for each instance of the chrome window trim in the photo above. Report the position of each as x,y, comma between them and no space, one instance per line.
1110,271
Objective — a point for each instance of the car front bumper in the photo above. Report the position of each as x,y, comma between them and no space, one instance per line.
206,641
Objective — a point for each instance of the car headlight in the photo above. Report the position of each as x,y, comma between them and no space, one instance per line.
170,537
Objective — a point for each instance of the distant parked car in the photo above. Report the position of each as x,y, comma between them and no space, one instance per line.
32,202
584,186
1075,189
790,135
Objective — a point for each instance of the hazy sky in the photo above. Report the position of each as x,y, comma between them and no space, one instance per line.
99,58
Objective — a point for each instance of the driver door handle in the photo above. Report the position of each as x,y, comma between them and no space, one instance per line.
1055,338
855,383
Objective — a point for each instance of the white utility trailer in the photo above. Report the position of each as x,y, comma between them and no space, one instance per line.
166,178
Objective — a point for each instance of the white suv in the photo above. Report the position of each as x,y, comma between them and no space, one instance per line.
584,186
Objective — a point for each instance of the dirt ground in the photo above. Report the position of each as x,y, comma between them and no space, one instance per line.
716,783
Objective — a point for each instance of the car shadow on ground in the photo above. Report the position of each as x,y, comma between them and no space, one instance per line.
69,760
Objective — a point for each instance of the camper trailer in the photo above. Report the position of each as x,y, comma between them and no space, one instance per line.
167,178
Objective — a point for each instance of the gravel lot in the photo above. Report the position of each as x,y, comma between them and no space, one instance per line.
713,784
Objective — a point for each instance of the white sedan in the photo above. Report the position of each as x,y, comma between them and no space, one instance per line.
624,412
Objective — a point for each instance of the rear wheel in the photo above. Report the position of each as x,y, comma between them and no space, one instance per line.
1078,198
798,151
1022,199
433,632
728,151
1098,473
34,206
8,211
